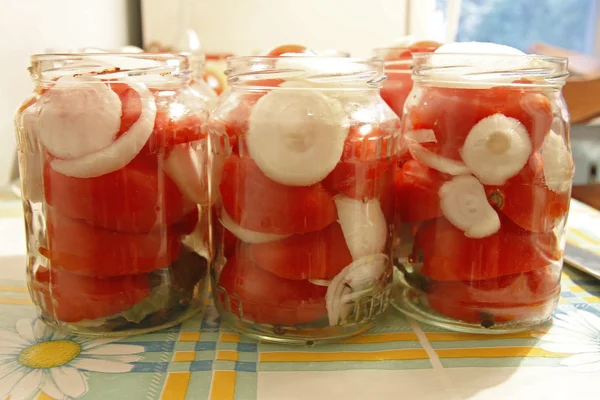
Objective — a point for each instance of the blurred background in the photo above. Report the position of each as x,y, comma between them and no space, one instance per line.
218,28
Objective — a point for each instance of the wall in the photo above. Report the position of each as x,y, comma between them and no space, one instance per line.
32,26
248,27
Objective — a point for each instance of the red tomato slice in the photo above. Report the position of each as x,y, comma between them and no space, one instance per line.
131,105
136,198
77,247
417,188
371,141
229,123
527,201
396,89
509,298
316,255
170,130
260,296
448,255
452,113
255,202
405,53
72,298
360,179
288,48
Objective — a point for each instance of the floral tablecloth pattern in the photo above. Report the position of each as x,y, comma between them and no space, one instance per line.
200,359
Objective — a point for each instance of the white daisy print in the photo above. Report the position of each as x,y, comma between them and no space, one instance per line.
36,359
576,332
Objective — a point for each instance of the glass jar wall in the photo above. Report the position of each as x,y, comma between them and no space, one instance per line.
398,63
113,168
483,191
303,154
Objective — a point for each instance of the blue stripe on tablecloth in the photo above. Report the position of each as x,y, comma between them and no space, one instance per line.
160,346
245,366
150,367
205,346
247,347
201,365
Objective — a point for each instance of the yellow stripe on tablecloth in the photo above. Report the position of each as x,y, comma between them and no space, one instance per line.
227,355
576,288
592,299
497,352
15,289
15,300
223,385
184,356
42,396
230,337
189,336
585,241
382,338
176,386
452,337
285,356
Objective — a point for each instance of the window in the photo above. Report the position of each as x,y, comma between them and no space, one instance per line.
570,24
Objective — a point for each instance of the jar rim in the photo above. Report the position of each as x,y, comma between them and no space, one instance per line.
481,69
323,71
146,67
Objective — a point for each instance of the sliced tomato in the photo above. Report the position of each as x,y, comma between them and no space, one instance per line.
396,89
406,53
417,187
262,297
188,223
72,298
255,202
510,298
371,141
131,105
80,248
170,130
453,112
316,255
528,202
448,255
288,48
360,179
230,122
136,198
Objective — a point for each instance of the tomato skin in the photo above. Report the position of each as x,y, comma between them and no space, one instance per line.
448,255
288,48
79,248
131,105
505,299
255,202
71,298
395,91
316,255
417,191
453,112
360,179
266,298
527,201
170,131
136,198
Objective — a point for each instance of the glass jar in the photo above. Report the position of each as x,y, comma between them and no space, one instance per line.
303,153
398,63
214,72
113,171
483,191
198,84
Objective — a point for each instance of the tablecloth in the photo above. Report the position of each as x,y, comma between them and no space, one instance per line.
200,359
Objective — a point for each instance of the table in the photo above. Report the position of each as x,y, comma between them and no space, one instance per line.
588,194
199,359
